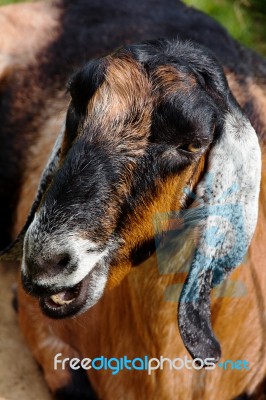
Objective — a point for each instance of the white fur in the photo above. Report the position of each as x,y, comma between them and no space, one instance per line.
234,160
77,248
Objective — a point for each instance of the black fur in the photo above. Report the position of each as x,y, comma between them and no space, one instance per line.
14,301
79,388
84,83
11,158
142,252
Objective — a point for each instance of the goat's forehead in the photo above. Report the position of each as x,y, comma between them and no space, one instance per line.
128,93
128,82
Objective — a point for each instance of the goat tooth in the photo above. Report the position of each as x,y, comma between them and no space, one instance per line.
58,299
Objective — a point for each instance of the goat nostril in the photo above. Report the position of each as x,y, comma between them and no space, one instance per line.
64,261
37,266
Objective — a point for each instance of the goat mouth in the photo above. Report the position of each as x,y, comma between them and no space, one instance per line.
66,303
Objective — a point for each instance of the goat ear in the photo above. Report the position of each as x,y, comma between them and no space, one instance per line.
228,198
14,251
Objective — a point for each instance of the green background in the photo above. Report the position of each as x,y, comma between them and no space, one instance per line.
244,19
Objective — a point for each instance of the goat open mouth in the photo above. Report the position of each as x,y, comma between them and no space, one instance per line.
66,303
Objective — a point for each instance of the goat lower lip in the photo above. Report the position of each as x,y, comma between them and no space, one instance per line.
65,304
65,297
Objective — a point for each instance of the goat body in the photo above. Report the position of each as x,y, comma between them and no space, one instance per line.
133,318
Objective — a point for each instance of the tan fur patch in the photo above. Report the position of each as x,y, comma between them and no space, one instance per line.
171,80
24,30
237,89
38,157
122,106
258,94
253,92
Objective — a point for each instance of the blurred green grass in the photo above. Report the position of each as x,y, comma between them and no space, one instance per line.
244,19
4,2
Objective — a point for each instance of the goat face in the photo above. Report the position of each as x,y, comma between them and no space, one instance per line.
142,124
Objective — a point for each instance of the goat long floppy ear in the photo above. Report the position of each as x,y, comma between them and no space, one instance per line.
14,251
228,196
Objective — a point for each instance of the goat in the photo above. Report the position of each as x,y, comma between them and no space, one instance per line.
143,123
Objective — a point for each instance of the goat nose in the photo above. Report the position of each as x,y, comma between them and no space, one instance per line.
37,266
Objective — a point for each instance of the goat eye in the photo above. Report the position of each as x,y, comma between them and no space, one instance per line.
191,147
194,147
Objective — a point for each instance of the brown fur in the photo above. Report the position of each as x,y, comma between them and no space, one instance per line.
126,92
173,80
